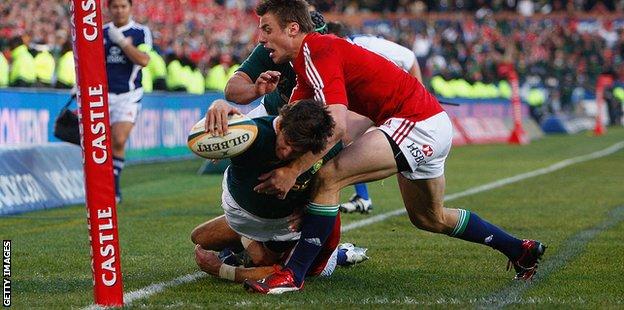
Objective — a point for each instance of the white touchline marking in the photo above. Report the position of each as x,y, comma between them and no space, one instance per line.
496,184
155,288
567,251
161,286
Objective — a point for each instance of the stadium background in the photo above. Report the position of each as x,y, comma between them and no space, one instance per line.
558,48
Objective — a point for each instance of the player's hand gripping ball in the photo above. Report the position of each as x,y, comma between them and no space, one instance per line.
242,132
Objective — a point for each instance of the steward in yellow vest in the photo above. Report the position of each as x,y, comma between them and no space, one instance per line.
22,71
44,67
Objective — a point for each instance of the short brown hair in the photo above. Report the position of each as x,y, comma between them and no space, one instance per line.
288,11
338,28
307,125
111,1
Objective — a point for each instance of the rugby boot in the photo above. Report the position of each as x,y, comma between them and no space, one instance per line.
281,281
526,265
352,254
357,204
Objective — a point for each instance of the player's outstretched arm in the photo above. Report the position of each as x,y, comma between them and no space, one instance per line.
209,262
242,90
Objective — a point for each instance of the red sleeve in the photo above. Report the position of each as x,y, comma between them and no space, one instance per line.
324,75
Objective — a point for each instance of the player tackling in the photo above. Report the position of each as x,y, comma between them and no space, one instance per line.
267,227
412,141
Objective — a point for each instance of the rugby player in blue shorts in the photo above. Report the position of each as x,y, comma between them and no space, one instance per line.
267,227
125,45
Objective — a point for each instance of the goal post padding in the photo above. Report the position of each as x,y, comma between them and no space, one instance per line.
87,37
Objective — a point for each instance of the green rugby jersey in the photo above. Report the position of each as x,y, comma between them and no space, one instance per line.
260,158
258,62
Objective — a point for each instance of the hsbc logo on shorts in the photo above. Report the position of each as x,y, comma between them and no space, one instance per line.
427,150
419,154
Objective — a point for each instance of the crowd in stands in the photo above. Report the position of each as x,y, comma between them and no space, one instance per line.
561,55
524,7
198,42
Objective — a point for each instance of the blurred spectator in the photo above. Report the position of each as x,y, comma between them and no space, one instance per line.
65,71
614,105
157,70
217,76
22,72
522,6
4,71
44,66
563,55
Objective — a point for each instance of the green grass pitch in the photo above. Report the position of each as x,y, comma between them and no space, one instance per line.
578,211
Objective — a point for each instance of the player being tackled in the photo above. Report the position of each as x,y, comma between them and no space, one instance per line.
265,227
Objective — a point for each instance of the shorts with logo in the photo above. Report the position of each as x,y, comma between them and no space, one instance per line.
425,144
125,107
254,227
264,230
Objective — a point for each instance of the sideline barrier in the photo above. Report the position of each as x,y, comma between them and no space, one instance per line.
482,121
27,117
40,176
567,124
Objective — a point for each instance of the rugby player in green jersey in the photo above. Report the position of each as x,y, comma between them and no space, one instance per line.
265,226
259,76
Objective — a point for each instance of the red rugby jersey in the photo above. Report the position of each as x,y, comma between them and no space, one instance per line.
332,70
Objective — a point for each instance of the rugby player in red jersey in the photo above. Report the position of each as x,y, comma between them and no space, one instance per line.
412,141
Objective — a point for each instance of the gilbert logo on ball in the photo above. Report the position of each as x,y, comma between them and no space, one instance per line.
242,132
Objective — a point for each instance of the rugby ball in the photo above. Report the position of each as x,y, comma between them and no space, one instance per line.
242,132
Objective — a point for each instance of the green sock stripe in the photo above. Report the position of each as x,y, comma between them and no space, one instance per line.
459,218
322,210
332,208
462,222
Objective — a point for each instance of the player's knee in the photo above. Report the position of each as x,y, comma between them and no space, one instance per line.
118,144
195,235
204,237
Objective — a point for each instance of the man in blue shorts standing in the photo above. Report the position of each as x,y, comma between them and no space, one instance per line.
125,45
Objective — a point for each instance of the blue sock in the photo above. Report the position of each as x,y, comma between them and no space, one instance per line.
341,258
118,165
361,190
471,227
318,223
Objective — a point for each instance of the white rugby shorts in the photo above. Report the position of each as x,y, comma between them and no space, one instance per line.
125,107
254,227
425,144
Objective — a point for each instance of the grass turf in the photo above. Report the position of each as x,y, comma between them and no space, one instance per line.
408,267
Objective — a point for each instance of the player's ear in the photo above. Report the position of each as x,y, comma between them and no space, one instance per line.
293,29
278,123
